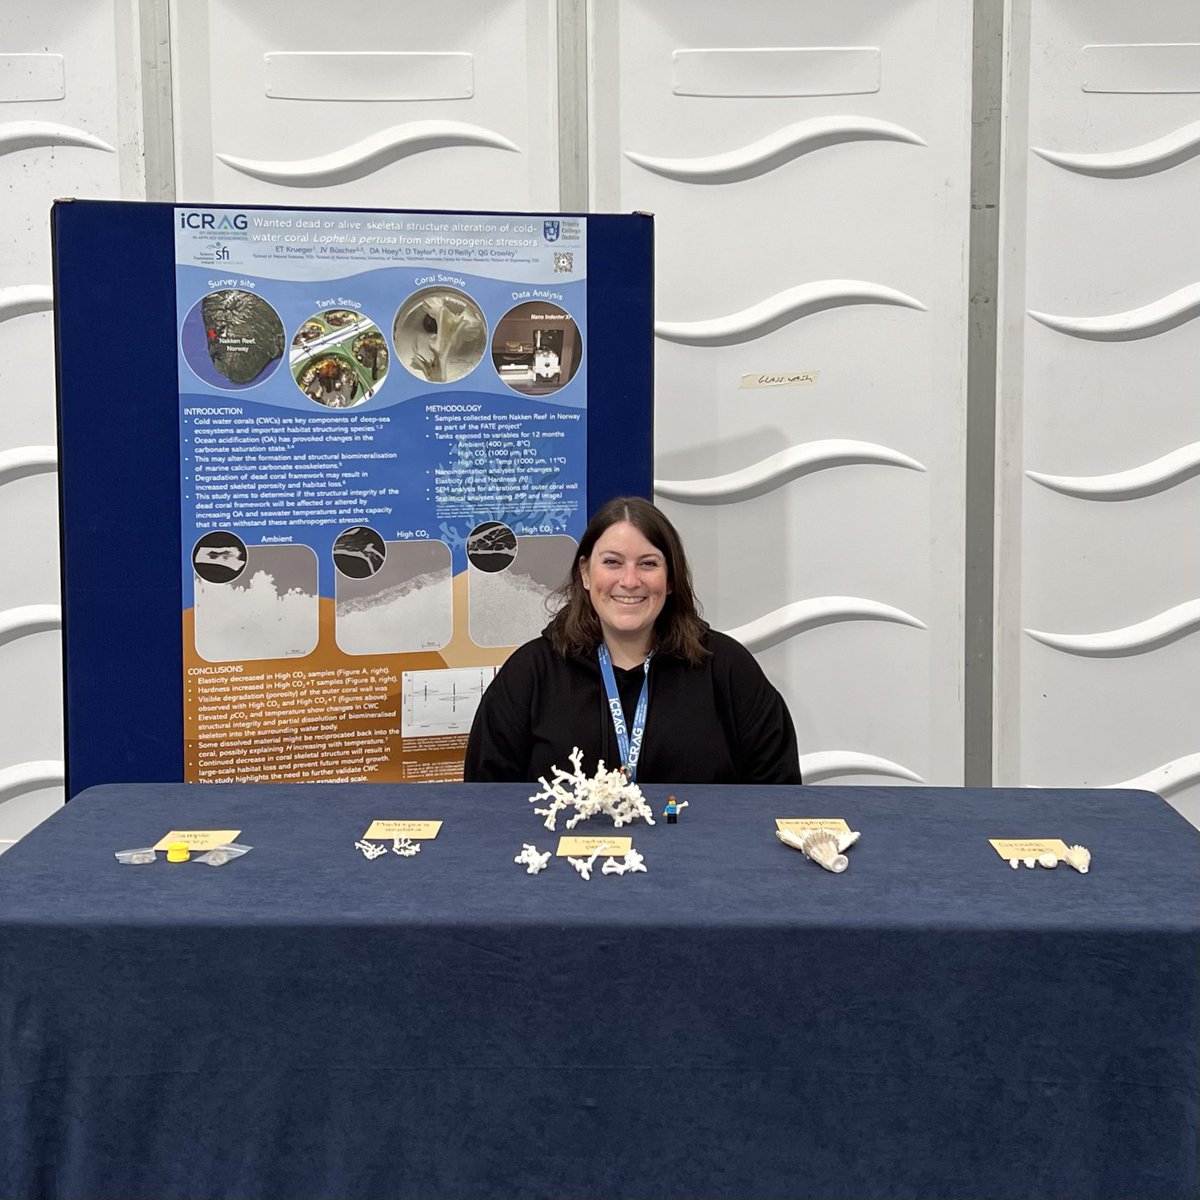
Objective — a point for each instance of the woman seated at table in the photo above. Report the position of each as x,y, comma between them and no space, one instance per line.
628,672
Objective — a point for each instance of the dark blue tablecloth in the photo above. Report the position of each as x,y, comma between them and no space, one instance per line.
735,1022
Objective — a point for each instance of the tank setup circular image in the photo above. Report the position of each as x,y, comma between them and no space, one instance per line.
339,358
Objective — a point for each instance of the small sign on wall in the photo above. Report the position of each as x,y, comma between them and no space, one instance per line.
766,379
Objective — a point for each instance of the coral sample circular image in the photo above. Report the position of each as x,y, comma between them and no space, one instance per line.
359,552
219,557
536,348
339,358
232,339
440,334
491,547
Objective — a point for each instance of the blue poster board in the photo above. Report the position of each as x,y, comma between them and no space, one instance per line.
185,334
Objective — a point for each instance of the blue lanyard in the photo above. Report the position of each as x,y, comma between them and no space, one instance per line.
630,748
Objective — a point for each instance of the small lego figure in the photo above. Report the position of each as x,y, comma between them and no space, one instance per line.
671,812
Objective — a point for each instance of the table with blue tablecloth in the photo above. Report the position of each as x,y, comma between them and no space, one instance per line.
304,1022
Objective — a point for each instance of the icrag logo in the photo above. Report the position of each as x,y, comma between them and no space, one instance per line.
208,220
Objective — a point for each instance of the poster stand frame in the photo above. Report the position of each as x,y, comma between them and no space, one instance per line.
116,355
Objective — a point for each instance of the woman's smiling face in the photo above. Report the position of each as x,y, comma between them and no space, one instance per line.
626,579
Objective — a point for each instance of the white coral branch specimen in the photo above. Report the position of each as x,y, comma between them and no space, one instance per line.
633,861
531,859
607,792
405,847
584,865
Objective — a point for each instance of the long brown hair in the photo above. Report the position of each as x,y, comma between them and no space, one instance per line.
678,630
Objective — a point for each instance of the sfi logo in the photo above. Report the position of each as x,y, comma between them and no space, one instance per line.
208,220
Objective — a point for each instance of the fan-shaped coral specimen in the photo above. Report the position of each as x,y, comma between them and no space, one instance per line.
1079,857
821,846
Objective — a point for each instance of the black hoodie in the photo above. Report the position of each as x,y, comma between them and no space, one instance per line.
719,722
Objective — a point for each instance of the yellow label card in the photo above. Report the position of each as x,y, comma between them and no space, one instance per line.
1008,848
802,824
199,839
417,830
585,847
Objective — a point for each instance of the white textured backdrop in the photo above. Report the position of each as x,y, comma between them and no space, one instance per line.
1099,581
808,167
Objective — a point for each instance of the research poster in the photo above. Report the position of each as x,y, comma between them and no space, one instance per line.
382,423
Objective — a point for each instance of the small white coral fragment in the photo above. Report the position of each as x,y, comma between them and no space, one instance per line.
1079,857
1030,862
611,793
405,847
584,865
847,839
633,861
371,849
531,859
1049,861
1015,863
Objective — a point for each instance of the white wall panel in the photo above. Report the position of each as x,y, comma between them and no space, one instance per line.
381,106
808,167
1099,592
69,126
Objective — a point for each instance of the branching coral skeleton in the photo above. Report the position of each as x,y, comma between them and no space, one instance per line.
531,859
633,861
607,792
584,865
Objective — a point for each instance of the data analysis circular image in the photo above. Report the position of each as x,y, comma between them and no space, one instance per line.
219,557
440,334
339,358
232,339
536,348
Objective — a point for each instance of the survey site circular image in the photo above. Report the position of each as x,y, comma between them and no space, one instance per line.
232,339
